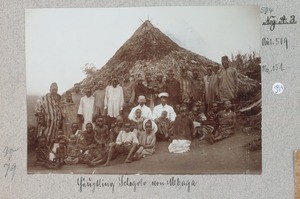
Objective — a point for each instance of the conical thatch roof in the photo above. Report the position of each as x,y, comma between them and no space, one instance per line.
148,50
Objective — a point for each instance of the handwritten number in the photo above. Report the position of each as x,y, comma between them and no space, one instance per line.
292,21
13,170
10,168
8,165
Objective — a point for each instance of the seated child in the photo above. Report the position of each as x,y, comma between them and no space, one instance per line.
115,129
183,133
61,152
210,125
75,131
164,126
147,141
138,122
126,142
73,152
87,144
42,154
99,152
55,145
197,116
101,130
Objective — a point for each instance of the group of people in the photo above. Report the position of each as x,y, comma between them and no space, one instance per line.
98,126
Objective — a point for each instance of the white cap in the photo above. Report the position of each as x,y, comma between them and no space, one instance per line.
163,94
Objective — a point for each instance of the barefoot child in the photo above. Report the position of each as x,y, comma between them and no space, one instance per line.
75,131
73,151
138,122
115,129
101,130
61,152
164,126
102,142
211,124
147,140
126,142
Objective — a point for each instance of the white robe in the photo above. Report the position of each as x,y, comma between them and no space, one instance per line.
114,100
86,108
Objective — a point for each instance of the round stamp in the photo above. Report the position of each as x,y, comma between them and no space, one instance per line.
278,88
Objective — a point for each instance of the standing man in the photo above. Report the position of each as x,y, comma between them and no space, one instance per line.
150,84
160,86
227,81
69,113
207,79
185,87
172,86
213,88
99,95
114,101
197,87
129,94
86,108
140,89
76,97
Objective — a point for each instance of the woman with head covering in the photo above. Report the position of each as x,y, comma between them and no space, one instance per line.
52,114
147,140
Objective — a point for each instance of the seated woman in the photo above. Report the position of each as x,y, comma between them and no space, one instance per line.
126,143
147,140
183,133
226,120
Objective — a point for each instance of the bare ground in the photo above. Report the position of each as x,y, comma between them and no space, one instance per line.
225,157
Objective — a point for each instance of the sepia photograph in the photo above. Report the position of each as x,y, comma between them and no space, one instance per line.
144,90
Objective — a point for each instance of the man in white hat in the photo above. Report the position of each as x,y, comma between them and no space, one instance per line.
146,111
163,106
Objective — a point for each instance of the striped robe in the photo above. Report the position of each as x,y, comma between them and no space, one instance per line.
53,117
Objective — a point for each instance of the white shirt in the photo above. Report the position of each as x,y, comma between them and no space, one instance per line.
146,112
126,137
157,111
86,108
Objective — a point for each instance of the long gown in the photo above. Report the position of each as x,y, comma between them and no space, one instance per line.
86,109
53,117
114,100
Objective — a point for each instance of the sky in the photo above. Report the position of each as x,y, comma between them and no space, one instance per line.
59,42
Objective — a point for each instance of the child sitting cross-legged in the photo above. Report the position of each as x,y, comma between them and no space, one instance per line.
73,151
126,143
61,152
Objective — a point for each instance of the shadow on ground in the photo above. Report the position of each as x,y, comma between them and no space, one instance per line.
225,157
